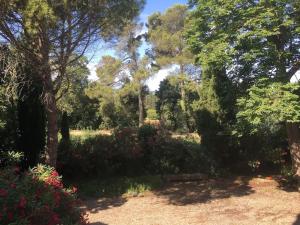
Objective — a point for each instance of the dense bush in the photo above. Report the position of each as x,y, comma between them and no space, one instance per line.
133,152
36,198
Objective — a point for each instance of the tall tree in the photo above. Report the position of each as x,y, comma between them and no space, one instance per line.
49,32
248,40
166,35
138,68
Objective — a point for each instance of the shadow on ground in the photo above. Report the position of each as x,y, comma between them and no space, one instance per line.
297,222
286,184
185,193
94,206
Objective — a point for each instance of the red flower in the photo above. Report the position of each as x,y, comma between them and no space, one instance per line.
22,202
54,182
3,193
13,185
54,173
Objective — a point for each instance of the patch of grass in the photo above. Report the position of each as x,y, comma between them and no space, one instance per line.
112,187
188,137
84,134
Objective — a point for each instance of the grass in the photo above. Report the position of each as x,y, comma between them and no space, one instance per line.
89,133
119,186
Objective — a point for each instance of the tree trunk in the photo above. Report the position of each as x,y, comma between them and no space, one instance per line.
141,107
293,133
52,129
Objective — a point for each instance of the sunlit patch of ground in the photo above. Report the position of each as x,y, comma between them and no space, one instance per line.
188,136
233,201
81,133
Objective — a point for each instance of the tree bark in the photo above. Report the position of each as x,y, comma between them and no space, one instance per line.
141,107
52,129
293,133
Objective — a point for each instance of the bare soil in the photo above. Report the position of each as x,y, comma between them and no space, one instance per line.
240,200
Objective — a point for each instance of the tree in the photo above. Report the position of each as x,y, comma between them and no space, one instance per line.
106,90
166,35
247,40
167,107
272,103
139,68
48,33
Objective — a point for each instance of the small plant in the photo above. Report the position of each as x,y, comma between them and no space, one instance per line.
10,158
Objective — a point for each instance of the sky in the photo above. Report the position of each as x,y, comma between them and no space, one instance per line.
151,7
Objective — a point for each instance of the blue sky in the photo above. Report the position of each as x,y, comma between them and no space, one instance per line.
151,7
159,5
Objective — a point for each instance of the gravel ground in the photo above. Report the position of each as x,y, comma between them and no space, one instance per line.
235,201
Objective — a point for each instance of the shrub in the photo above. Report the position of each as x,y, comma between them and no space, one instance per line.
37,197
131,152
146,131
10,158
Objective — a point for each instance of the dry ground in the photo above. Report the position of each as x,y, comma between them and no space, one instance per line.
235,201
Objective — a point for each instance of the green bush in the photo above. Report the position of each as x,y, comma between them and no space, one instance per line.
146,131
37,197
152,114
10,158
131,152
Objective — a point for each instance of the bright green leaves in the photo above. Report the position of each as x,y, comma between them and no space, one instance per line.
166,35
38,13
269,103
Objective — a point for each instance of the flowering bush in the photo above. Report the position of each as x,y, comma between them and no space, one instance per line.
37,197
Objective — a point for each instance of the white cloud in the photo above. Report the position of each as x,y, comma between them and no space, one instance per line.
154,81
296,77
92,68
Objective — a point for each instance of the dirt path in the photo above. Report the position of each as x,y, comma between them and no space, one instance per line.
218,202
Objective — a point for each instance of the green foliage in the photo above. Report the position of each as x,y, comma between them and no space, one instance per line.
152,114
251,38
145,132
125,154
269,104
166,35
168,106
10,158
